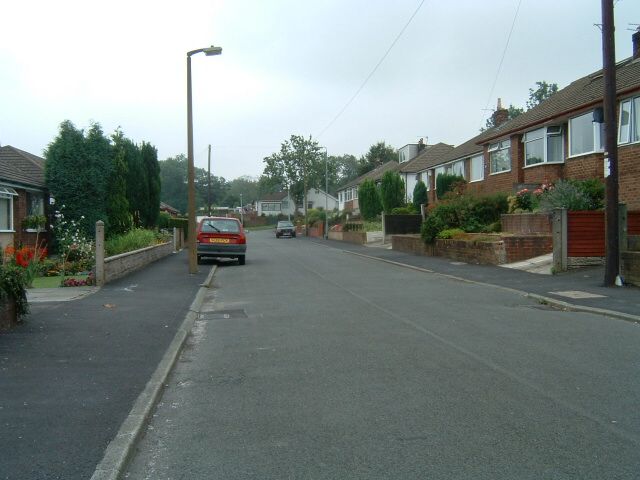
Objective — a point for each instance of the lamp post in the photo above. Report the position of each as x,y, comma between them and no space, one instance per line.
326,194
193,259
241,211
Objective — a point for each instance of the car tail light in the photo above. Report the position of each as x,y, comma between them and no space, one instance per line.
242,239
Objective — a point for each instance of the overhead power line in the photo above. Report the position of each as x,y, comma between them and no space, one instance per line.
346,105
504,52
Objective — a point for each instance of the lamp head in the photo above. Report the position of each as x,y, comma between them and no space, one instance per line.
210,51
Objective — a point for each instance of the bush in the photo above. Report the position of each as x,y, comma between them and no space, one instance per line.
13,285
593,189
315,215
565,194
408,210
391,191
446,182
450,233
369,200
130,241
420,196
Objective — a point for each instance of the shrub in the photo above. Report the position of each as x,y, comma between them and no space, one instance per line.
369,200
132,240
565,194
13,287
524,200
315,215
420,195
593,189
391,191
408,210
163,220
450,233
446,182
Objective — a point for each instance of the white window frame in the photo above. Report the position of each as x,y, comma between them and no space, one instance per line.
460,165
499,147
471,162
429,177
633,131
543,134
598,136
7,193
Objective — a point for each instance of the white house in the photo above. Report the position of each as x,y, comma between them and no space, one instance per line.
281,203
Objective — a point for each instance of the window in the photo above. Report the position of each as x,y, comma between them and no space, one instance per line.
440,171
500,157
629,124
429,177
477,168
419,177
543,145
6,208
35,203
585,136
270,207
457,168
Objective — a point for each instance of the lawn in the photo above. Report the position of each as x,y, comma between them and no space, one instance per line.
53,282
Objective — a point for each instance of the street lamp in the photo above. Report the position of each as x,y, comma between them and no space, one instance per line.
326,194
193,259
241,211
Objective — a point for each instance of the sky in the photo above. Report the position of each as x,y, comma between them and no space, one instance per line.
287,67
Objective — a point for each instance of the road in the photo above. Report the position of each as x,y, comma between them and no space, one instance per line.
312,363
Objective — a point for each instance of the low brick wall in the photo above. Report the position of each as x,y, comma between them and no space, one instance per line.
526,223
355,237
630,267
335,236
125,263
506,249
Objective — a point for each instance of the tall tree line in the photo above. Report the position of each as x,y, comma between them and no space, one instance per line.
103,178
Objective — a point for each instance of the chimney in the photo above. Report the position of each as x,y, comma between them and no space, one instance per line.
635,40
501,114
421,145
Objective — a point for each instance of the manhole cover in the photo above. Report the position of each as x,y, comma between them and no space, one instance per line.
225,314
577,294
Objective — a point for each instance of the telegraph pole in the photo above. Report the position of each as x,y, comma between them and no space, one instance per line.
209,183
612,258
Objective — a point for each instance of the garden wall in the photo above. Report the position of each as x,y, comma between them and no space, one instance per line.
526,223
508,249
125,263
355,237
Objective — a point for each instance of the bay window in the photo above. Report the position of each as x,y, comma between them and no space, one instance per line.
6,208
477,168
629,122
585,136
543,145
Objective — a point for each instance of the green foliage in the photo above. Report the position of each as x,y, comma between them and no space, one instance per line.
34,222
467,212
450,233
542,91
574,195
408,210
391,191
369,200
163,220
420,196
151,204
13,286
132,240
315,215
446,182
378,154
513,113
120,220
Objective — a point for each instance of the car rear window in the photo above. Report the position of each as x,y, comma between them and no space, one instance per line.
285,224
218,226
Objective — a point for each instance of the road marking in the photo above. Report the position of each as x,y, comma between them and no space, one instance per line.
577,294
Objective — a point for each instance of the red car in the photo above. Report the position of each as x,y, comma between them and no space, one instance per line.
221,237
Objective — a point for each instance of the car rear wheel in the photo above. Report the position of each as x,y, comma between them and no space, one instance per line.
241,260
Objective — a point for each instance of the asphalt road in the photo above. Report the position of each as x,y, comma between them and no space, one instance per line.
312,363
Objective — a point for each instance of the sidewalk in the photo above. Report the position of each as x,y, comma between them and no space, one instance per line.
576,289
71,372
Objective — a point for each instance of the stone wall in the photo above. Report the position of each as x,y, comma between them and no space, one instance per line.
125,263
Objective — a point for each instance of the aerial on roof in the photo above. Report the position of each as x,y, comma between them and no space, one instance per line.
578,95
18,166
375,174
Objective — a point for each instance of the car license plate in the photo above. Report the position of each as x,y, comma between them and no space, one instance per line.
218,240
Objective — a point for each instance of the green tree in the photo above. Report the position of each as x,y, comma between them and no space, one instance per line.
119,218
445,182
391,191
76,173
420,195
137,182
245,185
173,182
151,207
369,200
542,91
378,154
513,113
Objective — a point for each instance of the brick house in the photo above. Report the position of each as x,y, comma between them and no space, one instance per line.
348,193
563,137
22,193
413,170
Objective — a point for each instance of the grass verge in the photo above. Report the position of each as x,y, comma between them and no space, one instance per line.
53,282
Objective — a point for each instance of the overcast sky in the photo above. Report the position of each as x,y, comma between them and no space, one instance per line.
287,67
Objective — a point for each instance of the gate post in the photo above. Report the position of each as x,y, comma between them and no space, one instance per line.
99,253
622,225
560,239
384,232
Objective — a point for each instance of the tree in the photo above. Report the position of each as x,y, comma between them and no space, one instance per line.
173,182
151,207
513,113
446,182
419,195
378,154
391,191
136,180
245,185
543,91
120,220
369,200
76,173
298,166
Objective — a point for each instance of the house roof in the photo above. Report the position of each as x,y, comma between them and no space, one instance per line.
273,197
375,174
430,156
21,167
168,208
580,94
466,149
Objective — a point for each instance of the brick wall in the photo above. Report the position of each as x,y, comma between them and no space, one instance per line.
629,175
543,172
526,223
584,167
523,247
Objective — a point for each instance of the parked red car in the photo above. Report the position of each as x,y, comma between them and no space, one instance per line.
221,237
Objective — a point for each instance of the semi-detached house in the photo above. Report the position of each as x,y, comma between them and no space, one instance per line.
563,137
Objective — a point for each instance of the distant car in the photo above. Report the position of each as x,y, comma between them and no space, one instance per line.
285,229
221,237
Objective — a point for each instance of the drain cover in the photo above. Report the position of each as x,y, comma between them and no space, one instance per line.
225,314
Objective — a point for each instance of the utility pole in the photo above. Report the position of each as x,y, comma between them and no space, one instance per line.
612,258
209,186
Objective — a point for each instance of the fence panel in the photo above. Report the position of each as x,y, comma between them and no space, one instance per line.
586,234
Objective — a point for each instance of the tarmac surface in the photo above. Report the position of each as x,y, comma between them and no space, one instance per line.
72,371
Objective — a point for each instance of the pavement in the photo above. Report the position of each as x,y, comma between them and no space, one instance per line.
82,373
